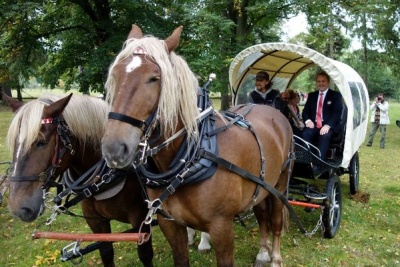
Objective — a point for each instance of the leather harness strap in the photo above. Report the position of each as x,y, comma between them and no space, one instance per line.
232,167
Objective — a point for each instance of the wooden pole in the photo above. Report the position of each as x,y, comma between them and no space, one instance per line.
109,237
305,204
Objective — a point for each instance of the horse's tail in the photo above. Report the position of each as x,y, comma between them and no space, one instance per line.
285,220
285,214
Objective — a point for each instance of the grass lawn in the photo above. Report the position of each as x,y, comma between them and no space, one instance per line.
369,233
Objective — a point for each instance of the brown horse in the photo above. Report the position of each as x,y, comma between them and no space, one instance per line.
49,135
153,96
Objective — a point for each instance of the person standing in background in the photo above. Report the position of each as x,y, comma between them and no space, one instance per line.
379,119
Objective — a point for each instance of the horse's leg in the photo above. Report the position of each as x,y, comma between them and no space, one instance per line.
145,250
99,226
277,223
176,235
261,212
279,218
107,250
204,245
191,234
222,236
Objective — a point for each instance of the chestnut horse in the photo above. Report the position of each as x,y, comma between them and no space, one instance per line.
49,135
155,117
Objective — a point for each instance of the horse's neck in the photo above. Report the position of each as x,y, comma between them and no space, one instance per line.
85,158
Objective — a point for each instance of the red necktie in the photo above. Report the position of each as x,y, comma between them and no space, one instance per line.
319,110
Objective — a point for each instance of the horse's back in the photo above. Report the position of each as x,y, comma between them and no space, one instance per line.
270,126
267,139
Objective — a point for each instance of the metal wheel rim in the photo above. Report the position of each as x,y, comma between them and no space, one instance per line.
354,172
334,207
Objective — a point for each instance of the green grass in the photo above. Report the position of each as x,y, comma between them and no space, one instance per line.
369,233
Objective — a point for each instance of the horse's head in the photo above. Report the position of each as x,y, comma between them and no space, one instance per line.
144,87
39,155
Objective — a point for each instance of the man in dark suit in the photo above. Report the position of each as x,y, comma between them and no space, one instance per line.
322,114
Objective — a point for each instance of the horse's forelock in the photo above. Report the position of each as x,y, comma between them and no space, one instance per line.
25,127
86,117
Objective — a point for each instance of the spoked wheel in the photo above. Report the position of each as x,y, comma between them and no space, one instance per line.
333,207
354,173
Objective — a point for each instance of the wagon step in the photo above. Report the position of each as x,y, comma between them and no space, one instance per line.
316,196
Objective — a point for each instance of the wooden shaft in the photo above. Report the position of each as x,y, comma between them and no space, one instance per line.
109,237
305,204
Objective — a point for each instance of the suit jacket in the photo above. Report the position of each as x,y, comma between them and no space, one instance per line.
331,111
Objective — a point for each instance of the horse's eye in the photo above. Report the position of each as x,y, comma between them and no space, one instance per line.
41,143
154,79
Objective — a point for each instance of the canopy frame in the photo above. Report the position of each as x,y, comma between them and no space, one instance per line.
284,62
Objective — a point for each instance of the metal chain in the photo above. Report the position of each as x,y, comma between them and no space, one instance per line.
319,225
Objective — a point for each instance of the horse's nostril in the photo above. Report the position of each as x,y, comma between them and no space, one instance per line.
125,149
27,215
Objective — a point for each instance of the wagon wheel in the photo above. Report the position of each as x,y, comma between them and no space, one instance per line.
333,207
354,173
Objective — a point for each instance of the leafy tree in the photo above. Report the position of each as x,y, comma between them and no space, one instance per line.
382,79
75,39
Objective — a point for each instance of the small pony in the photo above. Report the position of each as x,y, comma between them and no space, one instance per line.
51,134
200,168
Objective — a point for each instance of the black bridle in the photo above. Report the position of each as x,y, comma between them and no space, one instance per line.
63,136
144,125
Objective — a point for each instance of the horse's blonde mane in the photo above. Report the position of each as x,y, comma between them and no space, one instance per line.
178,99
86,117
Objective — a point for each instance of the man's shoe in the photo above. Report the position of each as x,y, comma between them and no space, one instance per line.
369,144
382,146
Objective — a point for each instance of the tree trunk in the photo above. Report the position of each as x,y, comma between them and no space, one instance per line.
365,50
19,93
226,101
5,89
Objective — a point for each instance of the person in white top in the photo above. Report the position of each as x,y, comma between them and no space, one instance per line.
379,119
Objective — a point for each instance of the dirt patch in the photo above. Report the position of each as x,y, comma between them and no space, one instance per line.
361,197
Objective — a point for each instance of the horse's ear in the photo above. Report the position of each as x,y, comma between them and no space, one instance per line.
57,107
172,42
135,32
13,103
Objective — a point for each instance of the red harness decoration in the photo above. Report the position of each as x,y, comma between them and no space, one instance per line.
56,159
47,121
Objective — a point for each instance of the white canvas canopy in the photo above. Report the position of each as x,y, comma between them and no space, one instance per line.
284,62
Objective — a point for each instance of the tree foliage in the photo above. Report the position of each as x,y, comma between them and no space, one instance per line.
76,40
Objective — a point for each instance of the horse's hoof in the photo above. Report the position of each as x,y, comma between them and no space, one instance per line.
260,263
262,259
204,250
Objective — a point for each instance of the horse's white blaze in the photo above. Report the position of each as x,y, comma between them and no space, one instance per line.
17,155
135,63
